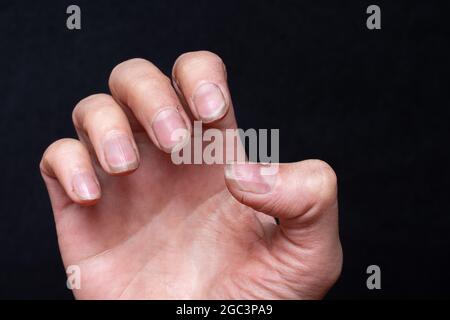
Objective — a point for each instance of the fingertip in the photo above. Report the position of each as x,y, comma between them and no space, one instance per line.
68,163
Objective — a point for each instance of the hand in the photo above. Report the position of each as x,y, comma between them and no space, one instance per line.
139,226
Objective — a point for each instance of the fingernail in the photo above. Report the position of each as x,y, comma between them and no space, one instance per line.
209,102
85,186
170,129
248,177
120,154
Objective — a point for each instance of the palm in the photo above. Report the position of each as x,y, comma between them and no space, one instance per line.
164,231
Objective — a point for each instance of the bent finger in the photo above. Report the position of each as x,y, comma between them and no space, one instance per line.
68,162
106,126
141,86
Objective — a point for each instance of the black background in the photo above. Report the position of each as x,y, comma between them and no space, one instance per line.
373,104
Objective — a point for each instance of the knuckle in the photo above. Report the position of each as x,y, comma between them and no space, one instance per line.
57,147
93,100
125,71
141,85
89,107
322,182
189,60
61,145
97,99
127,65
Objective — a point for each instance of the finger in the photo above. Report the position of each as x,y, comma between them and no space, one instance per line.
103,121
142,87
66,164
201,79
303,196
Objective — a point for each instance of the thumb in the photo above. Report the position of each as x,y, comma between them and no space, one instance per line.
303,196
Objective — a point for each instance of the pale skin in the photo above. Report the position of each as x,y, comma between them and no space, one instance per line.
141,227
